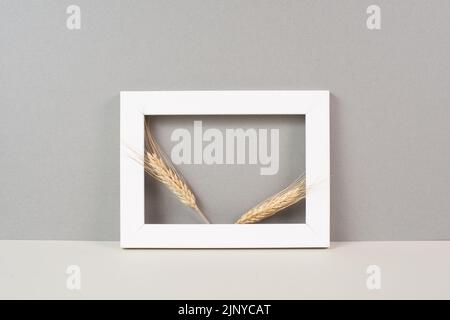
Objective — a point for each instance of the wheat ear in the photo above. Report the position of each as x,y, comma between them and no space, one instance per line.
276,203
157,165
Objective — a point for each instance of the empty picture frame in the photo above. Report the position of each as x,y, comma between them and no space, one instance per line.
314,105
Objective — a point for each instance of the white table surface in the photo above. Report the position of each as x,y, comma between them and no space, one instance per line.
409,270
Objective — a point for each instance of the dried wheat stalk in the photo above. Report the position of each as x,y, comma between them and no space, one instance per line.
157,165
276,203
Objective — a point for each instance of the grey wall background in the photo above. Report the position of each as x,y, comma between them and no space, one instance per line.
59,96
225,192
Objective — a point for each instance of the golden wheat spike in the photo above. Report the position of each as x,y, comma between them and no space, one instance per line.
276,203
159,167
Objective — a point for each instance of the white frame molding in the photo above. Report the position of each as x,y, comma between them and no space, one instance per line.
135,105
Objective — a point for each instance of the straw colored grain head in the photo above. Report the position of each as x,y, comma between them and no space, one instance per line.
156,164
276,203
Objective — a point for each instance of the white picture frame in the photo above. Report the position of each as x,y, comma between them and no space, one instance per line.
135,105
